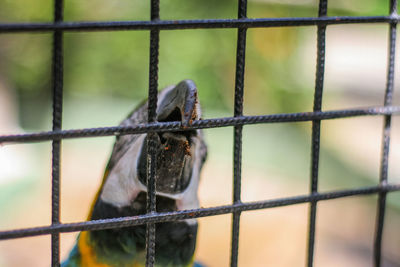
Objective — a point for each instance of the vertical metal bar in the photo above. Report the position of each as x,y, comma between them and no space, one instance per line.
386,140
151,143
238,111
57,89
316,129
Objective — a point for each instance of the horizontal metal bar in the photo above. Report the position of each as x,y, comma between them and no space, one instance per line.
200,124
196,213
193,24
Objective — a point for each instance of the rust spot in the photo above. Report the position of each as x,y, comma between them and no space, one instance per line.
193,117
187,148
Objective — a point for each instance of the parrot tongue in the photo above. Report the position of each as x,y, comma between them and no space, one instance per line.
174,149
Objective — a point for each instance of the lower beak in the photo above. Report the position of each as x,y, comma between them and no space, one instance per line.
174,149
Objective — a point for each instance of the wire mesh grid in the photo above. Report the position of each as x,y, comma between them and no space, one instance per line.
242,23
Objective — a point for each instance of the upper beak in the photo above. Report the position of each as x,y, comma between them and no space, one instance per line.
179,104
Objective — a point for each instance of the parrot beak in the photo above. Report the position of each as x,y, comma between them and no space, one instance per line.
179,104
175,150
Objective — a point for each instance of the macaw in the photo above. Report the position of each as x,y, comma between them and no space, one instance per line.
180,157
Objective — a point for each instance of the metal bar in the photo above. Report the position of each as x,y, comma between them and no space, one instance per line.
194,24
196,213
151,136
383,179
200,124
57,84
316,129
242,23
237,131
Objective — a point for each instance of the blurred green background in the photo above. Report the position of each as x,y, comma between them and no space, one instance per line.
106,75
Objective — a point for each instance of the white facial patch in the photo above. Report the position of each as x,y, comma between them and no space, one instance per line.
122,184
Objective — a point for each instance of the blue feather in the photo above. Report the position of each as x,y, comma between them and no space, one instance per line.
73,258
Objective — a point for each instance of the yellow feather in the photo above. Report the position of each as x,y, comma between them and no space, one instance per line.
88,255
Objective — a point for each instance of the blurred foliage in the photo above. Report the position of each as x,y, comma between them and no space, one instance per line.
116,63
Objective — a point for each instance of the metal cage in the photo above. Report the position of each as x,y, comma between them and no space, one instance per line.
238,120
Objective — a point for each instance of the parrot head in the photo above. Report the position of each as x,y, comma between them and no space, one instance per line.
179,158
179,155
